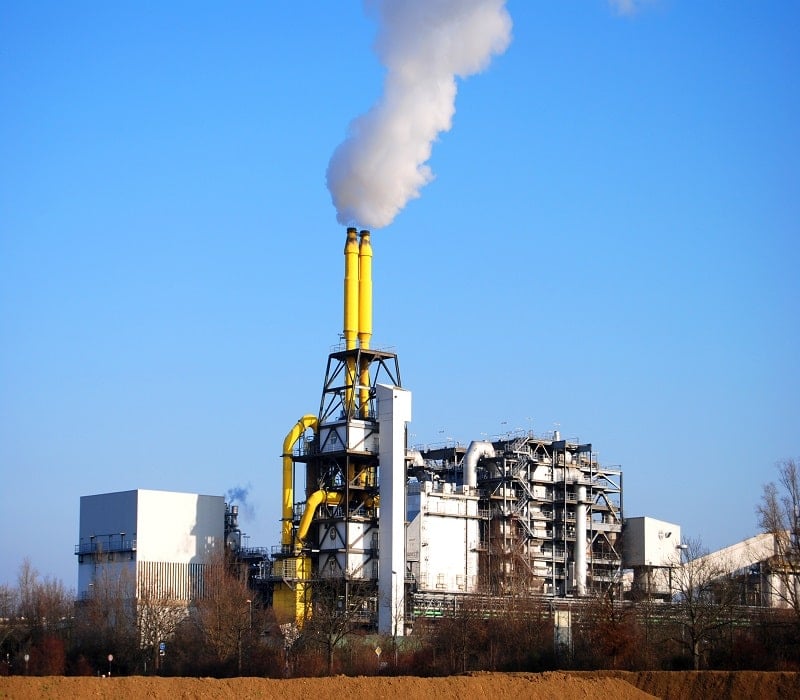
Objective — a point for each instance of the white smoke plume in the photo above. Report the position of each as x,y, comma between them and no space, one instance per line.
424,45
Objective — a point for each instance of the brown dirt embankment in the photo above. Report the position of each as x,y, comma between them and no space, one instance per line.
679,685
489,686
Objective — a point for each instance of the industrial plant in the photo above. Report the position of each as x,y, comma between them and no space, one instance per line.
403,532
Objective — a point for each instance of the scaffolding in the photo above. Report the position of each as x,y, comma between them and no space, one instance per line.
531,496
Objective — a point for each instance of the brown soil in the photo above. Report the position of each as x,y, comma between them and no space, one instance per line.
478,686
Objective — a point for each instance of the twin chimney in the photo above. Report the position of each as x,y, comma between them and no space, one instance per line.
357,328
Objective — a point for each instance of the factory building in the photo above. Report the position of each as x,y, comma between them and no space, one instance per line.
398,532
158,540
653,549
403,529
762,576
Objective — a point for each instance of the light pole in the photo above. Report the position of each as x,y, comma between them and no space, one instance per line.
110,659
250,604
681,549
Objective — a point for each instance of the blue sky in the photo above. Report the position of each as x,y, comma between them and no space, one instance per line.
610,247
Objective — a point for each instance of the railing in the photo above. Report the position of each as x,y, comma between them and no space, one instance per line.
112,545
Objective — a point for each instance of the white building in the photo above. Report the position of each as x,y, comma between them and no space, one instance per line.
652,548
755,564
443,537
157,539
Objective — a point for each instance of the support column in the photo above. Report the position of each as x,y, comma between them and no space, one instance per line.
394,411
580,543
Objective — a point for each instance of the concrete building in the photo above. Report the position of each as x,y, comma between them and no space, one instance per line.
652,549
442,538
158,539
753,564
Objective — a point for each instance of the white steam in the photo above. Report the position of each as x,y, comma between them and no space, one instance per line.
424,45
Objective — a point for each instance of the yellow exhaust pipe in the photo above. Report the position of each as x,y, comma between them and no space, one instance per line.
315,500
306,422
364,315
351,302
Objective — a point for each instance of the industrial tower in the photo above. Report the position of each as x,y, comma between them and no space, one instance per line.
409,532
349,453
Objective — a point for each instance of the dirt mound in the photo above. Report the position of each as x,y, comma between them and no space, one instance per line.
494,686
673,685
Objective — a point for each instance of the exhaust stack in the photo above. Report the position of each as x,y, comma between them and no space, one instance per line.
351,305
364,316
357,329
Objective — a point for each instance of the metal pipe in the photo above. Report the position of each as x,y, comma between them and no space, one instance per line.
306,422
364,316
351,289
351,304
315,500
476,450
364,290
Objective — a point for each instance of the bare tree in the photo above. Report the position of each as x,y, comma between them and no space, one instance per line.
106,619
27,578
516,634
158,615
705,598
779,515
223,614
607,632
339,610
37,619
655,636
460,637
10,625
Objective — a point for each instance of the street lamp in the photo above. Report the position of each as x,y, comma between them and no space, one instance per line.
250,604
110,659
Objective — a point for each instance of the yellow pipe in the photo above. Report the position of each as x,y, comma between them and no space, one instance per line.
306,422
315,500
351,271
351,302
364,290
364,315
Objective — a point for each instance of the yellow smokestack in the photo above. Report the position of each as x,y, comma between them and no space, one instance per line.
351,294
364,291
351,289
364,315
